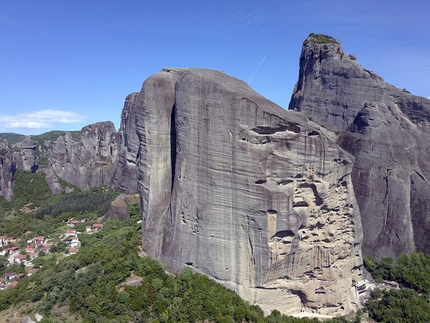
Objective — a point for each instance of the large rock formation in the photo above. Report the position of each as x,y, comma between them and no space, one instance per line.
26,158
22,156
7,169
90,161
256,197
100,156
125,178
386,129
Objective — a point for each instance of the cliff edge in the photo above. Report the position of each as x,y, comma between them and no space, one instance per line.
256,197
386,129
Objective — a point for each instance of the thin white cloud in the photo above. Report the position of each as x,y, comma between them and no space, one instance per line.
16,23
39,119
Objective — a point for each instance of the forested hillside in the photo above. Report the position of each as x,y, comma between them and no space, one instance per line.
109,279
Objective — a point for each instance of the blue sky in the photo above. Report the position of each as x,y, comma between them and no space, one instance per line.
65,64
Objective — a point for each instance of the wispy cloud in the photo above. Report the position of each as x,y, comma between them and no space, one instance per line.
16,23
40,119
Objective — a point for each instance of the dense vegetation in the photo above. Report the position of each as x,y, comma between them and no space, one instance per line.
12,138
322,39
53,135
109,279
410,303
94,284
36,209
410,271
91,285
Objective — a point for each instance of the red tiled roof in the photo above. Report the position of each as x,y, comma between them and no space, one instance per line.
13,284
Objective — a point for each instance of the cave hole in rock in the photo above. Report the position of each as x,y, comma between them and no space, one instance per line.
189,263
284,234
272,211
260,181
300,204
313,133
265,130
285,182
320,290
301,295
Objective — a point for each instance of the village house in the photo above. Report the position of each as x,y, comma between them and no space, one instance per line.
31,271
46,249
10,276
2,241
70,232
19,259
12,251
11,285
40,241
74,242
97,226
72,223
88,228
73,251
30,249
32,255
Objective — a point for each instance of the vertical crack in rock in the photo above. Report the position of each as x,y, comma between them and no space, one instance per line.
245,192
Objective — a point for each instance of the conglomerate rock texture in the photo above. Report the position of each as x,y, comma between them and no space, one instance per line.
90,161
26,158
241,190
387,130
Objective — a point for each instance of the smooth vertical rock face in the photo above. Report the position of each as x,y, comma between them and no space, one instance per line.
387,130
26,159
125,178
90,161
245,192
7,169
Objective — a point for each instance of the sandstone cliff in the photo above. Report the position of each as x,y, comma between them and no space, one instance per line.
90,161
386,129
256,197
125,177
7,169
26,158
22,156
